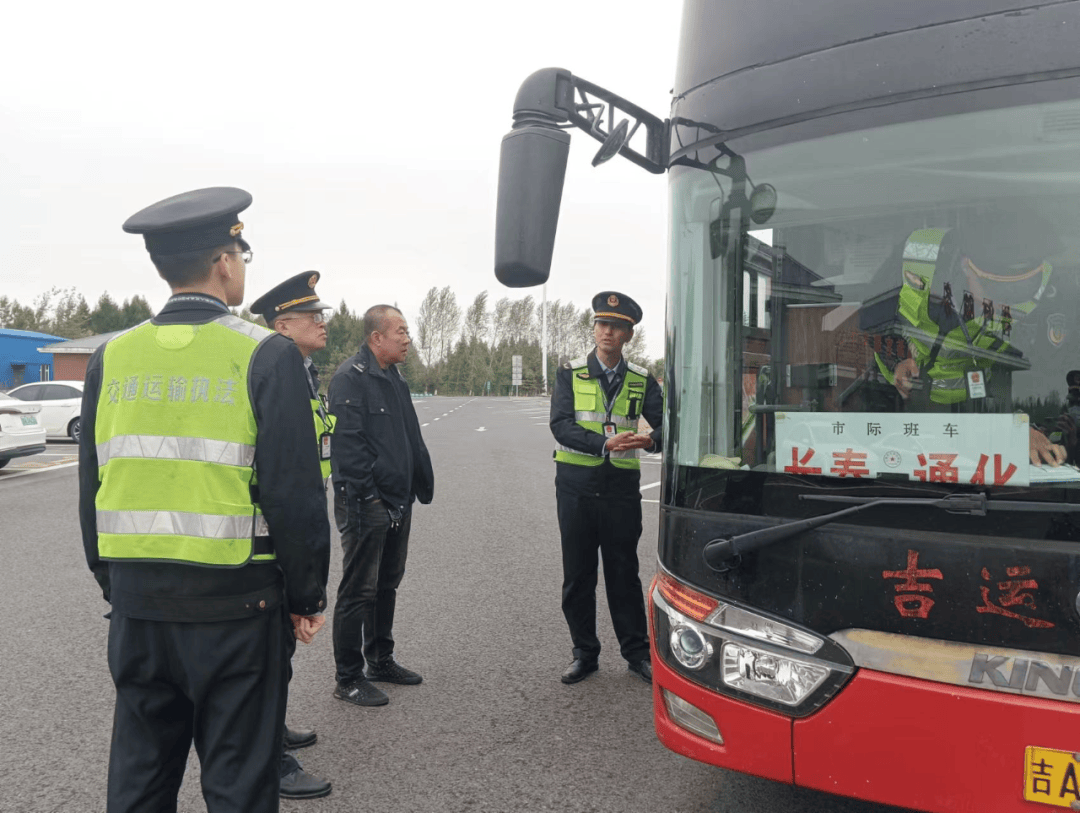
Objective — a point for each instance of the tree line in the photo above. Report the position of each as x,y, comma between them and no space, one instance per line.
65,313
470,351
454,352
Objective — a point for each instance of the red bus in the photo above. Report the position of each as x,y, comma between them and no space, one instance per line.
868,563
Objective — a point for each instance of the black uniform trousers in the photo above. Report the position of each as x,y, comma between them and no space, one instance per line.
219,684
372,568
600,515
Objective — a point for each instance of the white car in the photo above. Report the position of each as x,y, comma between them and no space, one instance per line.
61,403
20,432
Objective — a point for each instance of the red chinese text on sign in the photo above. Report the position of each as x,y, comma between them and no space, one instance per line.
941,470
1012,594
799,466
849,463
1000,477
913,605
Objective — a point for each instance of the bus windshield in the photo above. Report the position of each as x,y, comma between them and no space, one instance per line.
907,317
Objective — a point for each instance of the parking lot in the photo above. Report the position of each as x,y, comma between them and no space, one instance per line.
57,454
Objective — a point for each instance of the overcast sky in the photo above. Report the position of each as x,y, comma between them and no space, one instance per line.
368,134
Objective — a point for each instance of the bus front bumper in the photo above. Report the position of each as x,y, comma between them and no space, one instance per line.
884,738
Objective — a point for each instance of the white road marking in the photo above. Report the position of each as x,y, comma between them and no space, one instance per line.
423,425
481,429
14,474
655,502
650,485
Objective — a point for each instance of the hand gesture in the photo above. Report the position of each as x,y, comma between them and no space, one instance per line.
1041,450
625,441
305,626
906,372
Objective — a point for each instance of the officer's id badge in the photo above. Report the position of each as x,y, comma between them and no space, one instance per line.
609,429
584,376
324,446
976,381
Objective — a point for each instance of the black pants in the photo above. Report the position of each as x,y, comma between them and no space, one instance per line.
609,525
220,685
373,566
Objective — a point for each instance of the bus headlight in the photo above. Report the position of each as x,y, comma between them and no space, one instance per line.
736,650
689,647
780,678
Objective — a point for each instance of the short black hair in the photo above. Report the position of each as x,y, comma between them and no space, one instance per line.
375,319
183,270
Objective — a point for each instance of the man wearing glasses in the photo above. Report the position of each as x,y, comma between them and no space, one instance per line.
203,520
294,310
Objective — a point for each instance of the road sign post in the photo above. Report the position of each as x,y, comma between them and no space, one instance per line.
515,371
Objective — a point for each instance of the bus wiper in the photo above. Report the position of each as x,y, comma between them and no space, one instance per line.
723,554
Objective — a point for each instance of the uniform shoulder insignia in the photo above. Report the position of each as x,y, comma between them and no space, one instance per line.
359,366
637,368
568,365
581,362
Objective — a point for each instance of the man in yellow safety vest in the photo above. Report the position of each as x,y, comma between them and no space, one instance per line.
595,410
203,520
293,309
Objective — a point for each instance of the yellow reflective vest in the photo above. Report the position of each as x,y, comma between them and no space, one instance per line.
175,436
324,424
954,359
591,412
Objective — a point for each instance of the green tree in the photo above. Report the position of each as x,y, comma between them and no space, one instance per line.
134,311
106,316
344,335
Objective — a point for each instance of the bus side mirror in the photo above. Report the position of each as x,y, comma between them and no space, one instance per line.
532,167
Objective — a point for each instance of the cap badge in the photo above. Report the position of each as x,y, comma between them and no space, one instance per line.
235,230
613,301
312,280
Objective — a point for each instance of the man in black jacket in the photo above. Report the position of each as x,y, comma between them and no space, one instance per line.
199,644
380,465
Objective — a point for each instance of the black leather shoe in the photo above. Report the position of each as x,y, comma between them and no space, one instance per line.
391,671
642,668
362,693
299,738
301,785
579,670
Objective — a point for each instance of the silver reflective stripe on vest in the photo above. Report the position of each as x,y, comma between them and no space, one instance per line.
252,331
617,455
602,417
164,447
560,448
958,383
178,523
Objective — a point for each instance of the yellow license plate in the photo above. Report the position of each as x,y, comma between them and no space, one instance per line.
1052,777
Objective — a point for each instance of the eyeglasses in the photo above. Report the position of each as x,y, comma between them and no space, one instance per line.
245,255
318,317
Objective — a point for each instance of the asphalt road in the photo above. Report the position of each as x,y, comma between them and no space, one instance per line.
490,729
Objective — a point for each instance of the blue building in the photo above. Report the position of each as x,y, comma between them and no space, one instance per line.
20,361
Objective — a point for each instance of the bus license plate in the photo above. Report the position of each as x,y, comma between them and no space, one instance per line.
1052,777
29,420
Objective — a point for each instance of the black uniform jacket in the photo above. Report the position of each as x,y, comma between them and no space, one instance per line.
290,494
378,451
568,433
